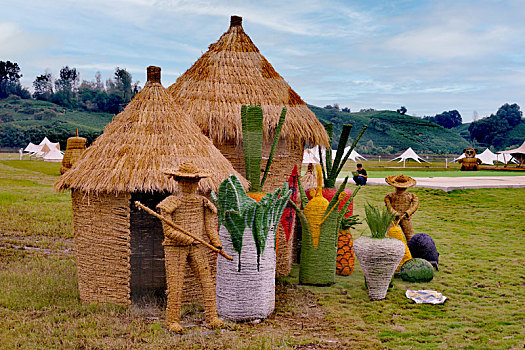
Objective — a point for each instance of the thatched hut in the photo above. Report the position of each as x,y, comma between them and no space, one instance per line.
231,73
118,248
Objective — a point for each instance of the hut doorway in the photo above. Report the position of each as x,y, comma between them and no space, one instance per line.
148,274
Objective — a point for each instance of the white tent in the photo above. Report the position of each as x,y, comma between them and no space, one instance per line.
487,157
32,148
354,155
408,154
50,144
309,156
518,153
44,147
53,155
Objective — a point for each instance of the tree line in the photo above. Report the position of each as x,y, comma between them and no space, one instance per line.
68,91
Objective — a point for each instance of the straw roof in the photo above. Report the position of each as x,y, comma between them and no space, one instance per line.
148,137
232,73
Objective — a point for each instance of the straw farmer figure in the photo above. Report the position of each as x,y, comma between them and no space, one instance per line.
196,214
402,203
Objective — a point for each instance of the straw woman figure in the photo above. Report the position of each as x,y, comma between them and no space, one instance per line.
402,203
195,214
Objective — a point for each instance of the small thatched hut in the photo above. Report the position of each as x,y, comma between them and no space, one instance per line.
118,249
231,73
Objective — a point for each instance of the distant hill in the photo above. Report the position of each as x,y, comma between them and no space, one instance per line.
24,121
462,130
389,128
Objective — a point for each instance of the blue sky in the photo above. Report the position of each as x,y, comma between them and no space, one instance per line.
430,56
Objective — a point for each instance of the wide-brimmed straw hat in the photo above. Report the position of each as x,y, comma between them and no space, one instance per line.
186,170
400,181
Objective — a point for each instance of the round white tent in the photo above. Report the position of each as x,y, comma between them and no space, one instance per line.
53,155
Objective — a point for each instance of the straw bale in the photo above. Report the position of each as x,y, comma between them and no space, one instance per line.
102,246
232,73
74,149
149,136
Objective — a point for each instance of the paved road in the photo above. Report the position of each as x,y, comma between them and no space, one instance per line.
454,183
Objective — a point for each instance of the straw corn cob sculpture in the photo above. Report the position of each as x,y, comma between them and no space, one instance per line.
321,224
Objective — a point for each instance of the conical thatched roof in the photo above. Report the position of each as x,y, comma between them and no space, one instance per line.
148,137
232,73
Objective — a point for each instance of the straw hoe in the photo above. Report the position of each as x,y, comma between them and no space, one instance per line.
177,227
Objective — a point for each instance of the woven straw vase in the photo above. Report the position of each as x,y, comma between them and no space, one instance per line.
248,294
379,258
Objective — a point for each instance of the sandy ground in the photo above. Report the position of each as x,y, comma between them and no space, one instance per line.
454,183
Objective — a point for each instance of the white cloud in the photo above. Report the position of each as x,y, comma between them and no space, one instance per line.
15,42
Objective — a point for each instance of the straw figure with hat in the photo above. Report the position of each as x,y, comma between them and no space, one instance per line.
402,203
195,214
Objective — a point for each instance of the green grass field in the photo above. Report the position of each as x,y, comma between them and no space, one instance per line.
479,234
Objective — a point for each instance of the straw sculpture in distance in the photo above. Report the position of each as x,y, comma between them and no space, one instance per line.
470,162
119,248
402,203
75,147
194,213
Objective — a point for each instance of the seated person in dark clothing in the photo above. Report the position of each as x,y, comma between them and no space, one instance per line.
360,175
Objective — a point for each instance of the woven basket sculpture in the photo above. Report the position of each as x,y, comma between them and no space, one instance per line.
379,259
246,286
378,255
423,246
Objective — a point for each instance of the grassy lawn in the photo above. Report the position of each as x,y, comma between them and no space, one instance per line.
479,234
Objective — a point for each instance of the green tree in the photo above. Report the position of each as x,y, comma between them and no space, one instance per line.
447,120
10,80
43,86
402,110
66,86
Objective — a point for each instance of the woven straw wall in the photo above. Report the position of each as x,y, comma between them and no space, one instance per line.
102,246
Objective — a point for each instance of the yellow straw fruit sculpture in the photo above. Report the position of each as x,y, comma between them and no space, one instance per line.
396,232
314,210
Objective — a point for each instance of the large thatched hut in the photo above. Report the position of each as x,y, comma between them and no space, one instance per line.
118,248
231,73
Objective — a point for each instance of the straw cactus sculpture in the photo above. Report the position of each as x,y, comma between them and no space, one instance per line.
248,224
321,224
247,232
